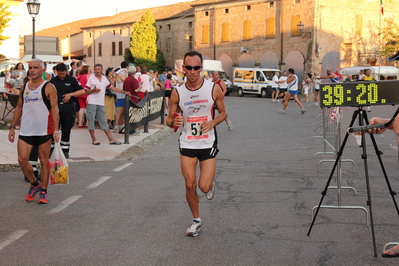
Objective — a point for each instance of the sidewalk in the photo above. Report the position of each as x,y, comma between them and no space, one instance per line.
81,147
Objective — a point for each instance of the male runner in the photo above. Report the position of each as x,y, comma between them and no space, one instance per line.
38,110
216,78
198,139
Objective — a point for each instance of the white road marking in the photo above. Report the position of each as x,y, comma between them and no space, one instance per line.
99,181
64,204
15,236
117,169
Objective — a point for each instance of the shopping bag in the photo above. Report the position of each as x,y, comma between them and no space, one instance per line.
58,166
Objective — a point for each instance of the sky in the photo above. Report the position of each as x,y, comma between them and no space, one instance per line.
57,12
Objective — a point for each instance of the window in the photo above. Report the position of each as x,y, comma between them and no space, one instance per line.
190,24
205,34
113,48
359,25
247,29
297,1
89,50
247,8
271,4
113,32
348,54
89,34
270,28
169,26
120,31
206,13
100,49
225,32
190,43
160,28
226,11
168,44
120,48
294,26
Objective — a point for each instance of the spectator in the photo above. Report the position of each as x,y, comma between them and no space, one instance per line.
84,74
144,81
18,74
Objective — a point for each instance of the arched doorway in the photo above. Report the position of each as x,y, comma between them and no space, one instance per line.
269,60
296,61
227,65
206,57
246,60
330,61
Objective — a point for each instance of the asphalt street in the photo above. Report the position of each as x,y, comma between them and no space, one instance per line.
134,212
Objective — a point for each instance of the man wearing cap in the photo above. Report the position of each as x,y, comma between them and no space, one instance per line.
145,82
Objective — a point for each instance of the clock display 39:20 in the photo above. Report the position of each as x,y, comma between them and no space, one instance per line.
359,93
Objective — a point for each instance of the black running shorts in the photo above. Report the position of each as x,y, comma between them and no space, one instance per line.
36,140
201,154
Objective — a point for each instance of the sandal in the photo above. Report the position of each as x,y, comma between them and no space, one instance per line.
96,142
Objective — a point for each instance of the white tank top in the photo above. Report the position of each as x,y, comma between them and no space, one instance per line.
293,85
36,116
197,106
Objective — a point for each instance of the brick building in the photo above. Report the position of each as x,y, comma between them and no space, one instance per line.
256,33
251,33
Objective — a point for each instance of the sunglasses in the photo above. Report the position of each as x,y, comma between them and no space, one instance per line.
192,67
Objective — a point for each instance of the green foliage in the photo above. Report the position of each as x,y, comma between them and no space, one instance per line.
390,38
4,19
128,56
143,43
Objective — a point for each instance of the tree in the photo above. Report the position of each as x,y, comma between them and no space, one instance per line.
143,43
390,38
4,19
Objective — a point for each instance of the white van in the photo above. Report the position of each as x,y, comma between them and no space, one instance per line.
377,72
257,81
208,66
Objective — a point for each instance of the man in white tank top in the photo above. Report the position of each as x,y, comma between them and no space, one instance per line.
37,109
198,139
292,82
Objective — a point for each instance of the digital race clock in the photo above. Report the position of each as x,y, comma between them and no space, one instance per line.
363,93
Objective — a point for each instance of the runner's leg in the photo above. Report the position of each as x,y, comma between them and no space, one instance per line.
188,169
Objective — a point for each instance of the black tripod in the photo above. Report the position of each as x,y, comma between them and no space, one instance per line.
362,118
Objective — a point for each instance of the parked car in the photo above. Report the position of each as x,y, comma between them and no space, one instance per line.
257,81
377,72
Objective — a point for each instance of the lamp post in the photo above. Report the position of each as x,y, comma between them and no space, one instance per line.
33,9
301,26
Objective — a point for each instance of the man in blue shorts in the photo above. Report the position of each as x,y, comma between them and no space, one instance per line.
121,75
292,82
198,139
37,109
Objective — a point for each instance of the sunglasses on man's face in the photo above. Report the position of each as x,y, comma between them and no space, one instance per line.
192,67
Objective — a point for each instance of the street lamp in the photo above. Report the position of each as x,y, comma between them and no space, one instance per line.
33,9
301,26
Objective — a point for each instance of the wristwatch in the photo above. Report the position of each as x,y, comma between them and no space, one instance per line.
12,126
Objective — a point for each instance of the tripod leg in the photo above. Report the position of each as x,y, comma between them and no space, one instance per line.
369,203
324,192
379,153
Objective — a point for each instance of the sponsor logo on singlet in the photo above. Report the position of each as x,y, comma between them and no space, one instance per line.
196,102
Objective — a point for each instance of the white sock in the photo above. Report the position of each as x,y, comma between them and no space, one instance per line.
197,219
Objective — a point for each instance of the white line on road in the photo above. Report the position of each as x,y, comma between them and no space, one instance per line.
117,169
99,181
64,204
17,234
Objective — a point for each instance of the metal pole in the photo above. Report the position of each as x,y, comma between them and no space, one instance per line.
33,37
127,126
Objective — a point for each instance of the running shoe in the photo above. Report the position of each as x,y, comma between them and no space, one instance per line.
43,198
281,111
194,228
33,190
303,111
230,125
210,193
277,101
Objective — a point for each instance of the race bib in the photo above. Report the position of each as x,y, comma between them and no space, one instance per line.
193,128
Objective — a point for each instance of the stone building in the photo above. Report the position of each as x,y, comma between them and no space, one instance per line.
256,33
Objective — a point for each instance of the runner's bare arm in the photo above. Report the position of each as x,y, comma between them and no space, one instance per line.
222,113
223,86
173,107
16,117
